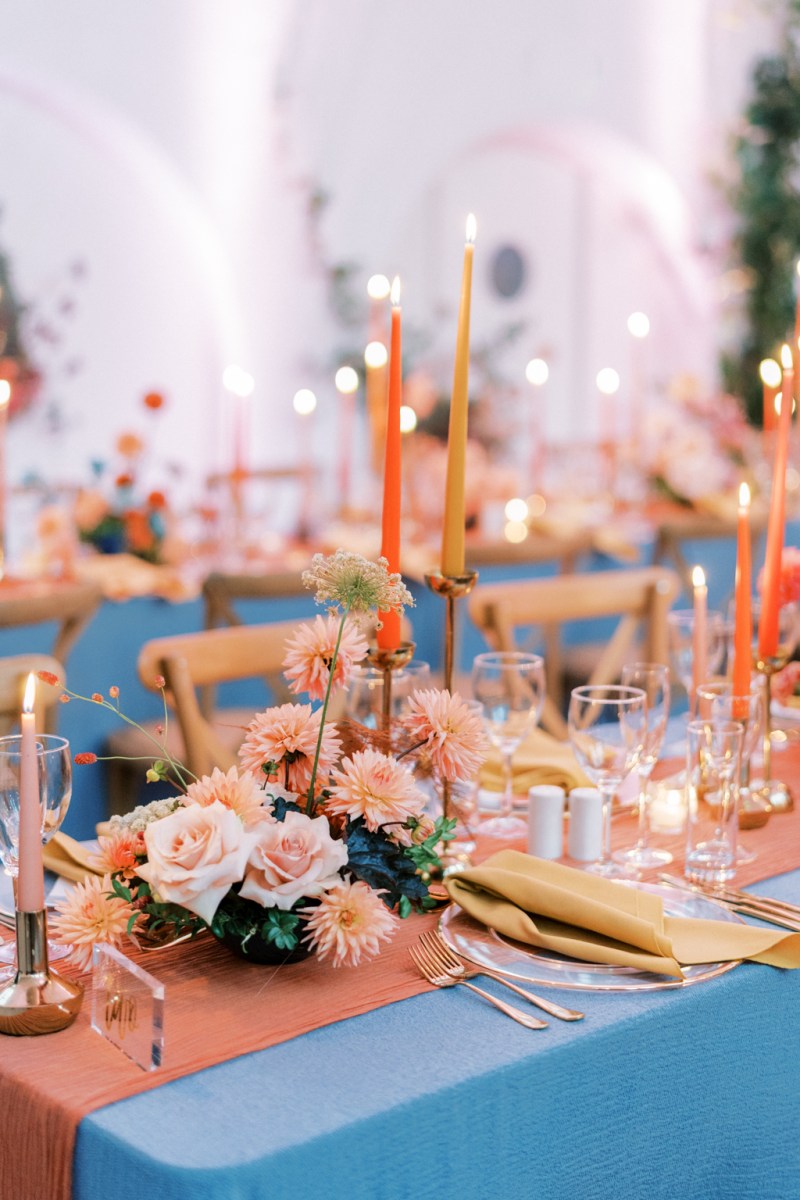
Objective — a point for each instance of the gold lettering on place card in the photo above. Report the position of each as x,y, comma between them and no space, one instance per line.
128,1007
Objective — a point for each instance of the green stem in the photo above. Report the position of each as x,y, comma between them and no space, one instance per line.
310,796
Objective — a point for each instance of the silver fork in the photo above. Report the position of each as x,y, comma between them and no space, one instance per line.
453,965
428,970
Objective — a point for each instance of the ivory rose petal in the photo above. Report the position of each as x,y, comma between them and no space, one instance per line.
195,855
293,858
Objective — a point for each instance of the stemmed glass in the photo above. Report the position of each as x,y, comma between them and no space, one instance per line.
55,789
364,693
653,679
607,728
680,631
510,686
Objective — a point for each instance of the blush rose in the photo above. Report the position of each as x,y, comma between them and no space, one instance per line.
292,858
195,855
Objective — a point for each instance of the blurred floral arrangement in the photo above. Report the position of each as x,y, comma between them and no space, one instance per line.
786,683
120,519
696,446
317,840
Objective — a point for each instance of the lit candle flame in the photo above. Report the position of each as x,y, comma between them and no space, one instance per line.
770,372
30,694
744,496
786,357
396,292
699,576
5,392
472,228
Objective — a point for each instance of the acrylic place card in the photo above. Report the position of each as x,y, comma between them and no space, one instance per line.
128,1007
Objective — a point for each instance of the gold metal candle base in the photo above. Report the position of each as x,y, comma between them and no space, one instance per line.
451,585
388,660
36,1000
772,792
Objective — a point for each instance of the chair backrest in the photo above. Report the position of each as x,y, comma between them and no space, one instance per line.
191,661
640,597
71,604
14,673
221,590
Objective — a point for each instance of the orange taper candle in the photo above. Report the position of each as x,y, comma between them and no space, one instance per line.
454,497
743,629
770,373
389,634
770,593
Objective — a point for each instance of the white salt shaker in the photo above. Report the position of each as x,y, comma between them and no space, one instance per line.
546,821
585,838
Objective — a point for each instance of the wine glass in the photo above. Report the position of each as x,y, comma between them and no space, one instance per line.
607,729
510,686
364,692
680,631
55,789
653,679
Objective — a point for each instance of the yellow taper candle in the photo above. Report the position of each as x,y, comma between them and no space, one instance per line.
454,506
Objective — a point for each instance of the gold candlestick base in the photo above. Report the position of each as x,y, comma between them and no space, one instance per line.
773,792
388,660
36,1000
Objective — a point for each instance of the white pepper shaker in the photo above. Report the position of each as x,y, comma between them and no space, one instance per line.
585,837
546,821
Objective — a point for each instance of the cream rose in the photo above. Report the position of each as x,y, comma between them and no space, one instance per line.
292,858
194,855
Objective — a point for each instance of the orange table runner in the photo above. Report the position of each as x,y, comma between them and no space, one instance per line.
218,1007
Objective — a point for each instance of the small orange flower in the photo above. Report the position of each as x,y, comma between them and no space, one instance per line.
124,480
129,445
97,697
160,681
64,698
113,691
48,677
85,759
157,500
154,400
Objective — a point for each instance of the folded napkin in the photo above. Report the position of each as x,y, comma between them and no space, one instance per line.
65,857
597,920
540,759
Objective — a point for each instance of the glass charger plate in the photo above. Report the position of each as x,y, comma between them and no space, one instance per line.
529,964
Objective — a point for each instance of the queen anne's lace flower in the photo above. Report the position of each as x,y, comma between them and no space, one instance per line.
379,789
88,915
310,653
452,733
356,585
351,920
287,735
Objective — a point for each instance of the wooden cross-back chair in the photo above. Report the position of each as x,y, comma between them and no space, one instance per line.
14,673
639,597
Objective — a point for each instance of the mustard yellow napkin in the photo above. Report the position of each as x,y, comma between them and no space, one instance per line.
65,857
593,919
540,759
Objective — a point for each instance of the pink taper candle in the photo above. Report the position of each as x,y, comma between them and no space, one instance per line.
770,593
699,638
743,629
30,879
388,635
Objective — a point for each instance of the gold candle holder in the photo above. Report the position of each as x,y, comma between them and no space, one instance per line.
451,588
36,1000
773,791
387,661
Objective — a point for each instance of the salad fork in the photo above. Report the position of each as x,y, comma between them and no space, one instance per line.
453,965
428,970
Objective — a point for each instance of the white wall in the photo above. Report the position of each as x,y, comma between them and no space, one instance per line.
169,145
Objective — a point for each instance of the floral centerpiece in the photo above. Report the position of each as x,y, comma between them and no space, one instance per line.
317,840
120,518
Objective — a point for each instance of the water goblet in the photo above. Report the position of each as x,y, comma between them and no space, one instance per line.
55,789
510,686
716,702
712,786
680,633
653,679
607,729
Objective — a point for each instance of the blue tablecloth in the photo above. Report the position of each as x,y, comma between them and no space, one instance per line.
688,1093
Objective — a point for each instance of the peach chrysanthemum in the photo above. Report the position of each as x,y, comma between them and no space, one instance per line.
452,733
351,920
379,789
119,852
241,793
310,652
89,915
287,735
